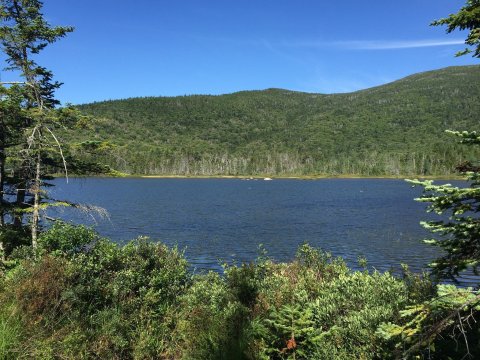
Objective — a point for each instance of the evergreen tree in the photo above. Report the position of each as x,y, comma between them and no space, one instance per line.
467,18
460,233
24,33
11,119
447,323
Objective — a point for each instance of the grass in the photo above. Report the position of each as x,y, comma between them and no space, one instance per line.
10,332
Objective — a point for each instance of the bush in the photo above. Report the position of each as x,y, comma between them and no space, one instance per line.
13,236
315,308
66,239
81,297
208,321
83,292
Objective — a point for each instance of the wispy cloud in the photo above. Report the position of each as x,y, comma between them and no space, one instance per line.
373,44
280,45
392,45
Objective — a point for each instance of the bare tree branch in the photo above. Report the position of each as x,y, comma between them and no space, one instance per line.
439,326
61,152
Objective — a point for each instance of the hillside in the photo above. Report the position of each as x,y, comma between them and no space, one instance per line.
393,129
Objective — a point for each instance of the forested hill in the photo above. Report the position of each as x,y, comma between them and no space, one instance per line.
394,129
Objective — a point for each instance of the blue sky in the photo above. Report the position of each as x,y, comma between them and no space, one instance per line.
124,48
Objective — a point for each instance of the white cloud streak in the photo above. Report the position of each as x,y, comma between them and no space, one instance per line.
374,44
276,45
394,45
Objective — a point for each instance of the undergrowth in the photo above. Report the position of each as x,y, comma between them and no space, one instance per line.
80,296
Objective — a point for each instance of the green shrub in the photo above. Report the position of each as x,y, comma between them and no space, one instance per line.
128,291
86,293
209,321
315,308
82,297
14,236
38,288
66,239
444,326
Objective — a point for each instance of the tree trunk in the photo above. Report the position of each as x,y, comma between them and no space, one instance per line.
19,203
36,202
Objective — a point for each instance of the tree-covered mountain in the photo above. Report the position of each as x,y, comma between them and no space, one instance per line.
393,129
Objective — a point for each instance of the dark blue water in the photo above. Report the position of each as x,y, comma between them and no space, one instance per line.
226,219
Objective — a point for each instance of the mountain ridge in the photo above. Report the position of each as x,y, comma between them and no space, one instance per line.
391,129
275,89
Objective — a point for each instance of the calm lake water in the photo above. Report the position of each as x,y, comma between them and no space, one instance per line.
226,219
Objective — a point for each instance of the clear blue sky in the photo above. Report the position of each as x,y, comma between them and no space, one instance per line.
126,48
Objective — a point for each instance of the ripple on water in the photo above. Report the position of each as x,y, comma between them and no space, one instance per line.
215,218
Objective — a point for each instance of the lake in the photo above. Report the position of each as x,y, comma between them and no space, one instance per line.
218,220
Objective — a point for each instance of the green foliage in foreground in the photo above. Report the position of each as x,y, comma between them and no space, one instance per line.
83,297
444,326
449,314
467,18
460,234
393,129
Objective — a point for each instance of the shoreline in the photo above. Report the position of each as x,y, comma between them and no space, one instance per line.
300,177
273,177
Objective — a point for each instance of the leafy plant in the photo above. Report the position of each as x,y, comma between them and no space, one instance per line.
315,307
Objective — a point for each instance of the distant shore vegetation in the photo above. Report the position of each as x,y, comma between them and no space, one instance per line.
396,129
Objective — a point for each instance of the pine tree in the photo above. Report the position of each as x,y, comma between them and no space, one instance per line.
467,18
447,323
24,33
460,233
